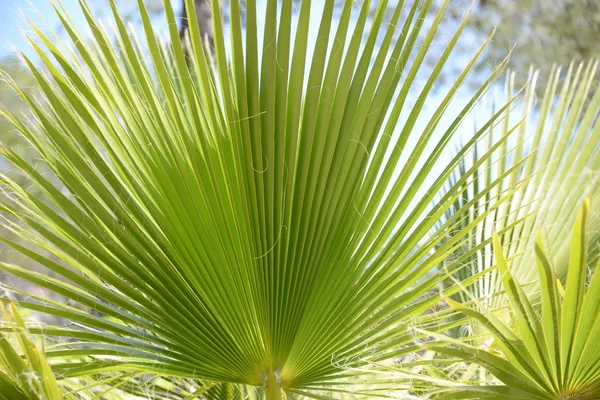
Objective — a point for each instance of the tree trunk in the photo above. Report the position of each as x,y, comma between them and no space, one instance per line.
204,15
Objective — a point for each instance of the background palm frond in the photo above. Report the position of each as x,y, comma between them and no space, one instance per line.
560,136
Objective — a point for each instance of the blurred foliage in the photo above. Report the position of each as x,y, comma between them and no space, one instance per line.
542,33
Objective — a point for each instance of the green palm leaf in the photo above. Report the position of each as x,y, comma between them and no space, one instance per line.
248,219
553,354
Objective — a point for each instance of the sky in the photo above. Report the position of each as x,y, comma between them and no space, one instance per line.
13,24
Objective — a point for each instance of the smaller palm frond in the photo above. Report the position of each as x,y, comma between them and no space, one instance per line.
23,376
547,355
26,369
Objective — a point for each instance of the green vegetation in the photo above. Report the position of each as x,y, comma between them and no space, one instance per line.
552,354
251,223
29,377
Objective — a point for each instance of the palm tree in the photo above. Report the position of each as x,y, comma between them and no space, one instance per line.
558,140
261,220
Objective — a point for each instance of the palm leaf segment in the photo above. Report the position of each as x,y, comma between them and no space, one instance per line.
553,354
248,220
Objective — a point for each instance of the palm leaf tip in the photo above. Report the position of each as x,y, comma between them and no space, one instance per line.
223,216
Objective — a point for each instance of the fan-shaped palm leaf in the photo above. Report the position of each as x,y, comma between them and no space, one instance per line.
249,220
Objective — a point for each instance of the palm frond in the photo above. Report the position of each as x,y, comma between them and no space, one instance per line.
552,354
257,219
